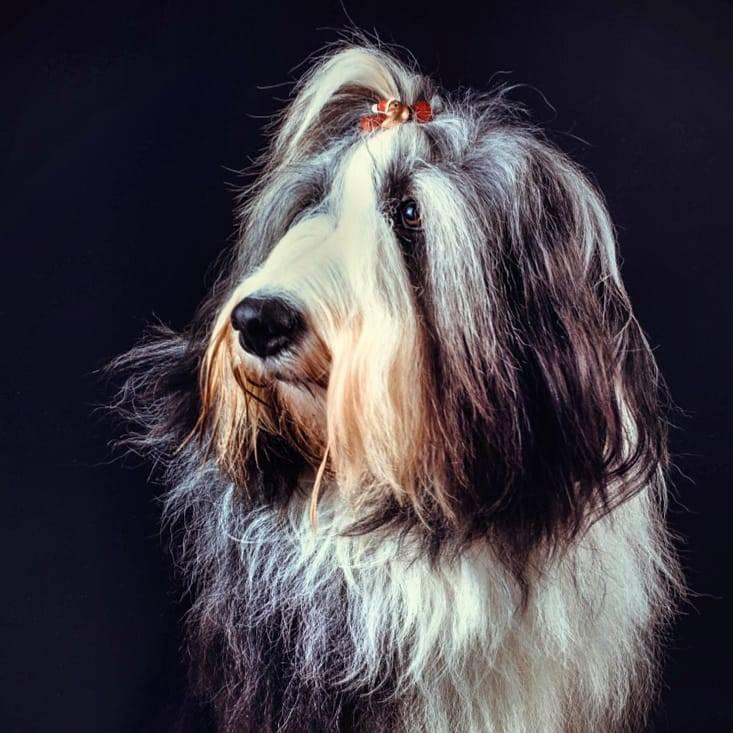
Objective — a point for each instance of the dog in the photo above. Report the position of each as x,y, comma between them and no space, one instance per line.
414,440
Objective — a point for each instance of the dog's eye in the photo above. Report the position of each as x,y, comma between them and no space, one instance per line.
409,215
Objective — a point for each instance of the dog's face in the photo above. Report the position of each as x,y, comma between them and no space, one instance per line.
431,313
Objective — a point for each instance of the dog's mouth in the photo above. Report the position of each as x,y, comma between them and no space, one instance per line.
303,364
311,384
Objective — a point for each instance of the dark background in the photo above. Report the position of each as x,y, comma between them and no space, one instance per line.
122,125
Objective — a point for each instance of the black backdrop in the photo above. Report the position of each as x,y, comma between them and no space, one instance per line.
122,124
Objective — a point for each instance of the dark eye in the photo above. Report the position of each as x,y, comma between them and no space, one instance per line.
409,215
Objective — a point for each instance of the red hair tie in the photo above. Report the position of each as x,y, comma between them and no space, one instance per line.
391,112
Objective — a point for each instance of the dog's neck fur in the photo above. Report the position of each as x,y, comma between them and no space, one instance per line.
308,629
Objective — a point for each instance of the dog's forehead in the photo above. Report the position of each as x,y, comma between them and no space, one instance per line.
376,156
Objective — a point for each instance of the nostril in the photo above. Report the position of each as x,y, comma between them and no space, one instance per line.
266,326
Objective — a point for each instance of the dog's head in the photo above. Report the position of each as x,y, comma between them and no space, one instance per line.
425,306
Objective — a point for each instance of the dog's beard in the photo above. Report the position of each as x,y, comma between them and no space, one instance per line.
353,409
245,399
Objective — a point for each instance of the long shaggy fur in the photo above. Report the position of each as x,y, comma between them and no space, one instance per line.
442,510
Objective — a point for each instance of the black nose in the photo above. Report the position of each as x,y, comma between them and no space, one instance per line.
266,325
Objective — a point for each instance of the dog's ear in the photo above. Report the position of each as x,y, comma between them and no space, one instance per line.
159,397
330,99
584,393
558,394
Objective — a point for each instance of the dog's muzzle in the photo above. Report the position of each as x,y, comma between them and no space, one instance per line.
267,325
